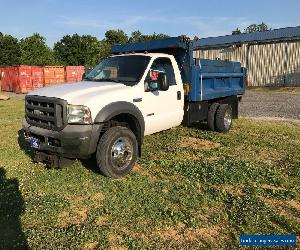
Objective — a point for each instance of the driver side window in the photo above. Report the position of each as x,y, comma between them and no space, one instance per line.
160,65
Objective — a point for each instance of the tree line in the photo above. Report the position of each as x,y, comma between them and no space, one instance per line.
252,28
69,50
76,49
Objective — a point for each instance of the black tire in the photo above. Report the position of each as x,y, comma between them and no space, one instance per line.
107,162
223,118
211,116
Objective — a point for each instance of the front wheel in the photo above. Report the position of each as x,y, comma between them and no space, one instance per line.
117,152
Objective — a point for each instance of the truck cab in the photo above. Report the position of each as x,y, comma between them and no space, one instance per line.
137,91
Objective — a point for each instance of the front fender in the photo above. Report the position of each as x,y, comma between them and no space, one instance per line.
117,108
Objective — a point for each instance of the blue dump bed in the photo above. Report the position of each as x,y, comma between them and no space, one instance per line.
213,79
207,79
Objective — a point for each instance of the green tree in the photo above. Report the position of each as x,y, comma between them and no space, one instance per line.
257,28
9,50
253,28
115,37
34,51
80,50
137,36
237,31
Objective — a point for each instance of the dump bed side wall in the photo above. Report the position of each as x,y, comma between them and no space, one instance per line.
213,79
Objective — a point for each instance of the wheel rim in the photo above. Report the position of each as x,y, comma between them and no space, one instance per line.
227,119
121,153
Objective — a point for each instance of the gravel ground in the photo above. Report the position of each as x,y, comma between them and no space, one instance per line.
267,104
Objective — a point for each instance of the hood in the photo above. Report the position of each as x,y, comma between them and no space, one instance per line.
94,95
74,91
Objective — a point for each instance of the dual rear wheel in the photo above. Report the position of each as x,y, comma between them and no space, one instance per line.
219,117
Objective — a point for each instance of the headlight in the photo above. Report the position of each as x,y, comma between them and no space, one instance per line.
79,114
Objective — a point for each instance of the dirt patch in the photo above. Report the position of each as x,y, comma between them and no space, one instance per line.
101,220
211,234
142,171
82,215
196,143
214,158
115,242
115,239
252,154
282,207
75,198
98,197
91,245
75,216
267,186
118,248
126,232
231,189
179,235
295,204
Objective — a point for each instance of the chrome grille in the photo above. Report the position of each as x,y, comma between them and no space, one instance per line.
46,112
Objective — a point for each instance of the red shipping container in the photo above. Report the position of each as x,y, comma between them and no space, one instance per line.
59,74
70,73
74,73
37,77
24,81
1,76
81,70
10,78
54,75
5,79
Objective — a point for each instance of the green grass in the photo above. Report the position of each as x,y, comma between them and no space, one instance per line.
177,196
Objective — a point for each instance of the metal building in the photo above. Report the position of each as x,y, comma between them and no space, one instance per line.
272,58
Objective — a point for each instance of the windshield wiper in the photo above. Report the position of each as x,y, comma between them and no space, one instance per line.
107,80
125,82
87,79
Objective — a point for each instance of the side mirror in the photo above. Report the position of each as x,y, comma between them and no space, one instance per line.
162,82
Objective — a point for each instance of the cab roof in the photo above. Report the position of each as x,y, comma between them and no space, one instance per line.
179,42
143,54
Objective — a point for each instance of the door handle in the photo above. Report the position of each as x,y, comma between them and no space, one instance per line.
137,99
178,95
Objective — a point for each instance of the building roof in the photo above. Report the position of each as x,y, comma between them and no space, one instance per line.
256,37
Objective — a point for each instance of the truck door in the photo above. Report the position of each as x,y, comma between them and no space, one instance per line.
162,109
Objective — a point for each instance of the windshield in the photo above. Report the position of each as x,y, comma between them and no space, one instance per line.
124,69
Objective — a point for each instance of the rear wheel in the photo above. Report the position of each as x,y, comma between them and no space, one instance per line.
224,118
211,116
117,152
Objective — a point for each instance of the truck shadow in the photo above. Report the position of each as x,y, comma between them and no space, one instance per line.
199,125
23,144
91,164
11,208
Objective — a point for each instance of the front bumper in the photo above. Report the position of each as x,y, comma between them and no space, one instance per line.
74,141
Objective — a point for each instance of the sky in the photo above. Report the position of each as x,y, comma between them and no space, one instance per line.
55,18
